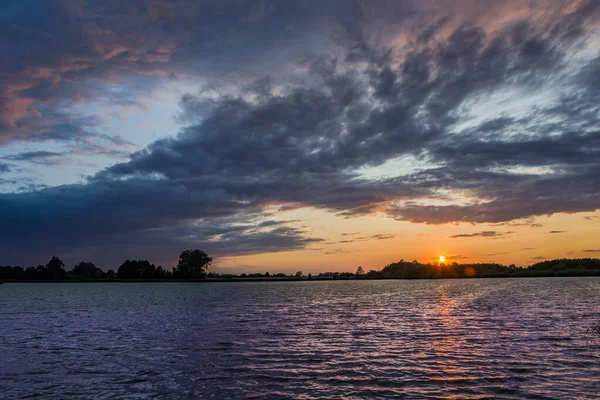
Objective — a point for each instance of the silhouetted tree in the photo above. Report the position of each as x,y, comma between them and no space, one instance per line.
141,269
160,273
360,271
299,274
110,273
193,264
56,268
87,269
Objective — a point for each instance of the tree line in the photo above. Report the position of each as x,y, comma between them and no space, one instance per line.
193,264
417,270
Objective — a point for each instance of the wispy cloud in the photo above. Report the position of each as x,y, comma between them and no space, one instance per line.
42,157
456,257
336,251
380,236
483,234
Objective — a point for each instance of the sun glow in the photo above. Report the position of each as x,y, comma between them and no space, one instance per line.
442,259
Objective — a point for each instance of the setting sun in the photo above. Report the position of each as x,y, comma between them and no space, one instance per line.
442,259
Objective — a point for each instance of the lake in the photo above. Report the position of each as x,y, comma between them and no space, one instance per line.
479,338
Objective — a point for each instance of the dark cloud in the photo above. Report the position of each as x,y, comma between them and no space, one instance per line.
295,142
107,245
555,232
485,234
528,222
4,167
429,33
592,251
511,196
46,157
62,53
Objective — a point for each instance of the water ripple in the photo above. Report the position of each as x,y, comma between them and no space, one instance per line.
476,339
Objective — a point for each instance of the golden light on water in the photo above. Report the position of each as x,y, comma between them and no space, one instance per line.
442,259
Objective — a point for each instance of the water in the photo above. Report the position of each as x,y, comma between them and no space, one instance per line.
502,338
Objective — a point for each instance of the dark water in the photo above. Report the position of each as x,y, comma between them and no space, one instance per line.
505,338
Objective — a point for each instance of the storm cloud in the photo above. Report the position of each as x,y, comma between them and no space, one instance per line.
319,94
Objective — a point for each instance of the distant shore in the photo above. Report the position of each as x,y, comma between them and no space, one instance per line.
313,279
141,271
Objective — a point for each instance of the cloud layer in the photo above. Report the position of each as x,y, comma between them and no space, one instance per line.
310,96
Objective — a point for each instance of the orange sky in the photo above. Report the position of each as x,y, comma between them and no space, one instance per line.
520,245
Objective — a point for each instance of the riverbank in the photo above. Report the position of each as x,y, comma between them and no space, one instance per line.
402,269
526,274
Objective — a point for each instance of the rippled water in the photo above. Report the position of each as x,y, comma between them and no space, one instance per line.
503,338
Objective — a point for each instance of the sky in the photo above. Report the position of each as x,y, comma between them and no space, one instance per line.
299,135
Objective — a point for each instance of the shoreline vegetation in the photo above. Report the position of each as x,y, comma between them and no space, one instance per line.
193,266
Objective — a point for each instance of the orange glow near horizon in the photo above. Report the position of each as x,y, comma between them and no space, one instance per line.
375,241
442,259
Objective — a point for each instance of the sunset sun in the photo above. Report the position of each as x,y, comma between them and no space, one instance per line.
442,259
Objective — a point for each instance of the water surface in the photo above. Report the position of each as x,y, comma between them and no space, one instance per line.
483,338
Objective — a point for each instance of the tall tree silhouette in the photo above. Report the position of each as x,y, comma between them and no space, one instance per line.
56,268
193,264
